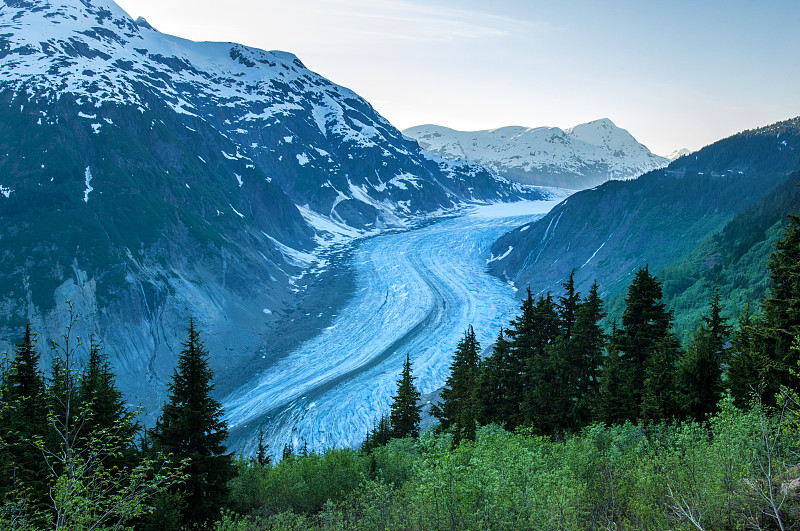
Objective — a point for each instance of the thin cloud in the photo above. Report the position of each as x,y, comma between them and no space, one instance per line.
411,21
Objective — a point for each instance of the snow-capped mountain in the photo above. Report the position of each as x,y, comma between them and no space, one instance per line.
148,178
678,153
576,158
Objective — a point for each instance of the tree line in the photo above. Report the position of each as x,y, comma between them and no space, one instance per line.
566,426
74,457
555,371
593,412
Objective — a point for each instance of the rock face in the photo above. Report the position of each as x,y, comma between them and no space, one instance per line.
148,178
576,158
607,233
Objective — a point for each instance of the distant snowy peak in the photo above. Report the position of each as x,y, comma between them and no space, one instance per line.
678,153
578,157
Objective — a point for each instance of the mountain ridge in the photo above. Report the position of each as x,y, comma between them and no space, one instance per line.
162,178
578,157
608,232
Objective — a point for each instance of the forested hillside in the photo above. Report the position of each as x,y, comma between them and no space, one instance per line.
732,261
607,233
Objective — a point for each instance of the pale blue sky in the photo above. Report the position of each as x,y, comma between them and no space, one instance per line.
677,74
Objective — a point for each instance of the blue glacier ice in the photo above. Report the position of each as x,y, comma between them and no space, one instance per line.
416,292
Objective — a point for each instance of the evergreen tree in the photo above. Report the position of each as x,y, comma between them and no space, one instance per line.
23,415
782,304
542,372
88,490
287,451
750,370
585,356
191,426
103,408
645,323
659,399
380,434
405,412
568,306
496,377
762,358
700,371
616,398
262,458
521,334
457,411
549,403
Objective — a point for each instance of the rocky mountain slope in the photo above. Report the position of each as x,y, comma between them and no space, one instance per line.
149,178
576,158
609,232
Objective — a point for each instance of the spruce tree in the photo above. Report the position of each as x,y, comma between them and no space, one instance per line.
191,426
659,400
288,453
762,358
457,411
405,412
521,332
568,306
379,435
24,423
750,369
103,407
586,345
782,304
542,372
645,323
616,399
89,491
262,458
700,371
496,377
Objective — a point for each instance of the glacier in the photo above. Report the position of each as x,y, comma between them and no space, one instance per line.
416,292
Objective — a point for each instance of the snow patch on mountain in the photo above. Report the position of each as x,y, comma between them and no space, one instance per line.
88,179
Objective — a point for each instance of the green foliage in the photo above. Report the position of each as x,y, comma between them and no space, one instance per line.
543,371
587,344
666,475
659,399
262,458
762,353
496,379
730,262
380,434
299,484
85,462
782,304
